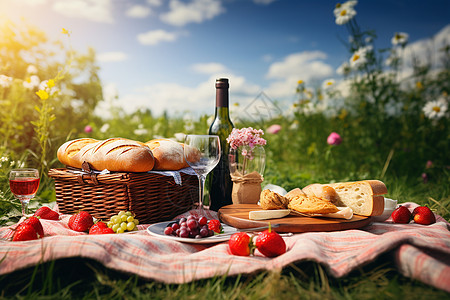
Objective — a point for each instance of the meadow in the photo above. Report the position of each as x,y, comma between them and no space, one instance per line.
390,127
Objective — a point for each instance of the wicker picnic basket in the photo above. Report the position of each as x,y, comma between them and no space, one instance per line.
152,197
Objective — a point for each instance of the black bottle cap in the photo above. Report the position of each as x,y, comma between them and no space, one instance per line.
222,83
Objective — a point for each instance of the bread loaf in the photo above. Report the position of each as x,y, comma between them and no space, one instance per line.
169,155
363,197
272,200
293,193
311,205
115,154
68,150
120,155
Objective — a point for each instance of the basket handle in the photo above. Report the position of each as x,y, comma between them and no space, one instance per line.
86,167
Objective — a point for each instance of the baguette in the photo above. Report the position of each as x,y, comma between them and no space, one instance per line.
363,197
119,155
67,151
169,155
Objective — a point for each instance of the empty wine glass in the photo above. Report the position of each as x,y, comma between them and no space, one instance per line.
24,184
202,153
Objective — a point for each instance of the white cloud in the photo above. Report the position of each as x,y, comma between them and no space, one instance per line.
112,56
93,10
195,11
138,11
154,37
209,68
154,2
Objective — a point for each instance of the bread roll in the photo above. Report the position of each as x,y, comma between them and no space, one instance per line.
363,197
312,205
119,155
293,193
272,200
69,149
169,155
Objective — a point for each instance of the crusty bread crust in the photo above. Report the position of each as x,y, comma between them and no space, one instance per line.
169,155
69,149
312,205
272,200
293,193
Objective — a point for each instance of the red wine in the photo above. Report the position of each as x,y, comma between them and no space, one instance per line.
24,186
220,180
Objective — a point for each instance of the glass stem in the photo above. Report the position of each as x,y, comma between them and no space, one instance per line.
201,187
24,207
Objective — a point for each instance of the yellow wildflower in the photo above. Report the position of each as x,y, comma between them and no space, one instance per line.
42,94
50,83
64,31
300,82
419,85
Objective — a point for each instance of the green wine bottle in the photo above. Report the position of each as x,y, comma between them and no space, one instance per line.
220,179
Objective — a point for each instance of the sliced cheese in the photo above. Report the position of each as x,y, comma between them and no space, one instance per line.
268,214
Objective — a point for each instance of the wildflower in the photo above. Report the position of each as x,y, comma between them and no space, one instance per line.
429,164
400,38
328,84
48,86
294,125
246,137
88,129
43,95
435,109
343,69
345,12
31,82
179,136
64,31
419,85
274,129
32,69
5,81
104,128
334,139
300,82
141,130
359,57
424,177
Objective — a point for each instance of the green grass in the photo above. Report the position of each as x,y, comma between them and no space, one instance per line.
87,279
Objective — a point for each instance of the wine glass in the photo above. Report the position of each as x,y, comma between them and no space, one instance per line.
202,153
24,184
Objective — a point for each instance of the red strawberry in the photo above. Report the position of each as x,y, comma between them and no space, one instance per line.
46,213
81,221
423,215
241,244
33,221
401,215
100,228
25,232
215,226
270,243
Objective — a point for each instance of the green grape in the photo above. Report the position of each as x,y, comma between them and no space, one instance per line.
121,213
128,213
123,225
115,219
130,219
110,224
123,218
136,221
115,227
130,226
120,230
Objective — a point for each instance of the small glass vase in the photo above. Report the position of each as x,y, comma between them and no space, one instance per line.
246,170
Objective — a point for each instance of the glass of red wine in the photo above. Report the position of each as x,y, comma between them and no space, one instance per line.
24,184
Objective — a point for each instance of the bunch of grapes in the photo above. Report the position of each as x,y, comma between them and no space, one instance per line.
190,227
123,221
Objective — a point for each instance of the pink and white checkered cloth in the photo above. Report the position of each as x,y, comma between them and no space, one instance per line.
421,252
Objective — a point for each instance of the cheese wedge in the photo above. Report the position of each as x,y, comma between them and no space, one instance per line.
268,214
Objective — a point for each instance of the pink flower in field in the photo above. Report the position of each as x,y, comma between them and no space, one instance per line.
88,129
334,139
274,129
429,164
424,177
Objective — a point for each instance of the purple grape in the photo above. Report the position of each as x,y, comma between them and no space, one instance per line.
168,230
203,221
204,232
182,220
192,224
175,226
177,232
198,236
184,233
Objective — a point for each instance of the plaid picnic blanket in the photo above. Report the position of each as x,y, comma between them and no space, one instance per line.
421,252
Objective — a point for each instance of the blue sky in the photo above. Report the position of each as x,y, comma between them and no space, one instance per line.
165,54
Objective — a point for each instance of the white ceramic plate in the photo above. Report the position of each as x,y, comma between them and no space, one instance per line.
158,230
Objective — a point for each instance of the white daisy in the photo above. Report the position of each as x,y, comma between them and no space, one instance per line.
343,69
358,58
435,109
328,84
400,38
31,82
32,69
5,81
345,15
104,128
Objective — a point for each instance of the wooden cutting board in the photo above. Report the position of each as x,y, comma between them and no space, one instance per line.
236,215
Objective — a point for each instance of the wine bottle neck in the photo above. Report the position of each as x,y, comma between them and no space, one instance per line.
222,113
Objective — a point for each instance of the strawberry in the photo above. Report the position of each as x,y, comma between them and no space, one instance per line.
25,232
270,243
33,221
401,215
81,221
46,213
423,215
215,226
100,228
241,244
